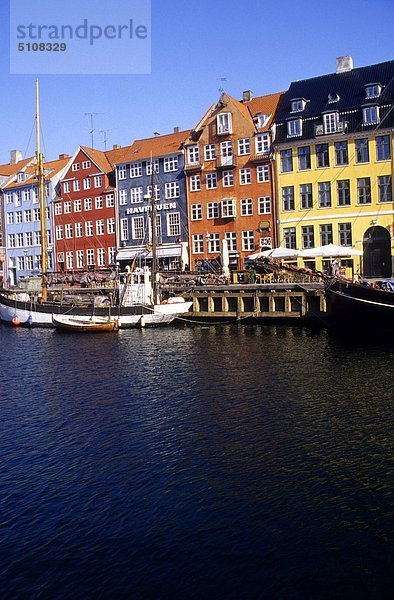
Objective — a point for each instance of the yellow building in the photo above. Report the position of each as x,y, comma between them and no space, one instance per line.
334,154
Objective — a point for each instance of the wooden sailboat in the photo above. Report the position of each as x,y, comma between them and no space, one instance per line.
133,303
84,324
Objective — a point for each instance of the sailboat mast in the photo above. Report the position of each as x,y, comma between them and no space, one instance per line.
154,269
41,192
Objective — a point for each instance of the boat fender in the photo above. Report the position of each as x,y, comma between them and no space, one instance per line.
164,302
15,321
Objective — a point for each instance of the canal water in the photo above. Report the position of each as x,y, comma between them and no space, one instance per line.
197,462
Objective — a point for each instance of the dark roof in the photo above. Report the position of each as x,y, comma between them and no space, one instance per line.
349,86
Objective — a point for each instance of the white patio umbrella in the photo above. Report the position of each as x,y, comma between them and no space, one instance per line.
184,255
280,252
225,258
330,251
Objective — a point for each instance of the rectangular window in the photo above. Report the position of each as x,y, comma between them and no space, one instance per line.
331,121
60,257
173,224
76,185
18,198
67,207
224,125
226,154
111,225
324,194
136,195
248,240
101,257
89,228
231,238
112,255
211,180
148,166
228,208
308,236
371,115
80,259
198,243
90,257
245,176
364,190
75,167
385,190
124,229
322,155
36,213
341,153
98,202
138,228
343,192
212,210
294,128
306,200
288,198
345,234
193,155
68,230
66,187
59,232
304,158
214,242
123,197
228,178
110,201
286,161
29,263
263,173
289,235
246,207
9,198
98,181
10,218
264,204
18,216
244,146
29,238
88,204
69,260
171,190
37,238
383,147
77,206
136,169
210,152
170,164
196,212
87,184
11,240
19,240
78,230
156,191
122,172
362,150
100,230
262,143
195,183
326,234
86,164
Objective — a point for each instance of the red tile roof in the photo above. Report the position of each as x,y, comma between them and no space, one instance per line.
154,146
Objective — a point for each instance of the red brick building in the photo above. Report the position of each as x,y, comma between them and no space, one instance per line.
84,213
230,183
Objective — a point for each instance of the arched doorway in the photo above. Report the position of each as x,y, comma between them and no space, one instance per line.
377,252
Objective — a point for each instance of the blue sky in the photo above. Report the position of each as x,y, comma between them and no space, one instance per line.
257,45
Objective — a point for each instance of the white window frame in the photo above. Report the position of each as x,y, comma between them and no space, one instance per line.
213,243
195,183
210,152
77,206
228,178
171,190
331,122
198,243
245,176
228,208
246,207
211,180
193,155
173,224
138,228
244,146
212,210
78,229
136,194
135,170
224,123
100,227
263,173
88,204
124,229
264,205
122,172
123,197
248,243
262,143
196,212
371,115
294,128
170,164
89,228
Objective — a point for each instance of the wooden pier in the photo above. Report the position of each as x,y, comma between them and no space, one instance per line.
258,302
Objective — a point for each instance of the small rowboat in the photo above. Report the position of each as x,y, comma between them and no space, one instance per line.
92,324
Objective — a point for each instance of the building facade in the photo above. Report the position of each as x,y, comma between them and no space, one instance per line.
334,157
84,214
22,220
230,181
153,165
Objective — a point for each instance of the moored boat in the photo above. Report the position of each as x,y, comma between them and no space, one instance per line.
77,323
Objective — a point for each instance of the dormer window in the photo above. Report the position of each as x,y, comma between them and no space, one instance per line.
331,121
332,98
20,177
373,90
262,120
294,128
298,105
224,125
371,115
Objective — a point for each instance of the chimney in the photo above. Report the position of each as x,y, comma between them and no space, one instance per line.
116,147
15,156
177,129
247,96
61,156
344,64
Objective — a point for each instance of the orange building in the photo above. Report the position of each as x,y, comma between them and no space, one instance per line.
230,181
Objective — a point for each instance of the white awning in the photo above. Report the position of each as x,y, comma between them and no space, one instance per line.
162,252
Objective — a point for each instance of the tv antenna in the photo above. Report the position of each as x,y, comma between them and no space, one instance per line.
222,80
104,132
92,130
